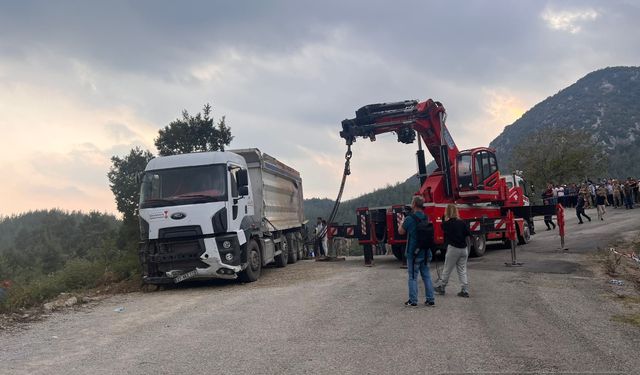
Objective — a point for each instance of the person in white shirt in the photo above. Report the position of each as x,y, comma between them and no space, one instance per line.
325,238
560,193
321,235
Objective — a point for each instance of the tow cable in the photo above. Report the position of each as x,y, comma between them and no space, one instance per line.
336,205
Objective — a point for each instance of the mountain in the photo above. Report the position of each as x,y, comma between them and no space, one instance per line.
604,103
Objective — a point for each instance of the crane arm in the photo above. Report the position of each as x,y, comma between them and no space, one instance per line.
405,119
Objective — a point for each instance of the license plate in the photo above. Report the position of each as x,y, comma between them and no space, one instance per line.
185,276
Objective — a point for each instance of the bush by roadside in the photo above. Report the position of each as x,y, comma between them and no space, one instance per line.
76,276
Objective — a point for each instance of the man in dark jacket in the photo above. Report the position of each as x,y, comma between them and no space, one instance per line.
580,209
417,259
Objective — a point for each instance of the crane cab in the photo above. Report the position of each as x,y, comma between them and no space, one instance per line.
477,177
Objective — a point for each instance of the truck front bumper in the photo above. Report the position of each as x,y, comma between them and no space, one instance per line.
208,257
219,271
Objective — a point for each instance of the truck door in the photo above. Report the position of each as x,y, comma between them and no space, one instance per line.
237,204
485,170
465,175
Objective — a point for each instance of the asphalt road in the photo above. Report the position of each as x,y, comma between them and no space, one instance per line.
552,315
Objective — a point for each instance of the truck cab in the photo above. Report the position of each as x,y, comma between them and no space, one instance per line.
190,212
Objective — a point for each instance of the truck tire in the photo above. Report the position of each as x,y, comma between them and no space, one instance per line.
301,252
398,251
293,248
254,263
478,245
525,238
283,258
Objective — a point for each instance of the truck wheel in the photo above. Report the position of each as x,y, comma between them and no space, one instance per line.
479,245
398,251
298,238
293,248
283,258
525,238
254,263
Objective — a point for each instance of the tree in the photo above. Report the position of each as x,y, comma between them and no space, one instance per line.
193,134
122,180
560,156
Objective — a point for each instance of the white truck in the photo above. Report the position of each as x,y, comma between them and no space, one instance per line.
218,215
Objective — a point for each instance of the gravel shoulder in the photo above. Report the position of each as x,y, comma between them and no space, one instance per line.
552,315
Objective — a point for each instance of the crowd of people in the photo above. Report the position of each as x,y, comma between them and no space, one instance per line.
607,192
617,193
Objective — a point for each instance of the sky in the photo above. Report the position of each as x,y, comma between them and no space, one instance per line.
82,81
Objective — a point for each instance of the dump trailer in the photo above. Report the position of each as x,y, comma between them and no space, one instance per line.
218,215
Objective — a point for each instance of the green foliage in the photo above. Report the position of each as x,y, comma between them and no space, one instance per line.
193,134
47,252
603,104
559,155
122,180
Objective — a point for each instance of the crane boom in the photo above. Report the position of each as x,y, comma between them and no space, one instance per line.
469,176
405,118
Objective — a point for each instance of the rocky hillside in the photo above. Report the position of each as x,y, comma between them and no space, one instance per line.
604,103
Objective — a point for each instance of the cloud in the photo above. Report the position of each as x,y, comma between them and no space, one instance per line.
570,21
80,82
120,132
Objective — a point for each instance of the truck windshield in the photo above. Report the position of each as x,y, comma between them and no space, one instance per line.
186,185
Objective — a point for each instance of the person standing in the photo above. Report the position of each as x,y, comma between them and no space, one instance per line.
592,194
456,234
609,186
561,195
601,199
320,234
580,209
617,194
628,194
325,238
417,259
547,199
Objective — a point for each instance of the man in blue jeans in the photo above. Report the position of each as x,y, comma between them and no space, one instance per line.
417,259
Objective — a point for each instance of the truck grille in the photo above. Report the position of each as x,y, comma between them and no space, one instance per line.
178,248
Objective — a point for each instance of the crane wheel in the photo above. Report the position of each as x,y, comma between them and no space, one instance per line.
525,237
478,245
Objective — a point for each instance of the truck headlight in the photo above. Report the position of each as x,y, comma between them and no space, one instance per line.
228,257
226,244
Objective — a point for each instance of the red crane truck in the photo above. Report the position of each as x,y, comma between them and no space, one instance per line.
469,178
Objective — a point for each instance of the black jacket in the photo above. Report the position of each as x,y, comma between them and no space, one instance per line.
456,232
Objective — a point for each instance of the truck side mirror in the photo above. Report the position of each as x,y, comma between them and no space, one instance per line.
242,178
243,191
